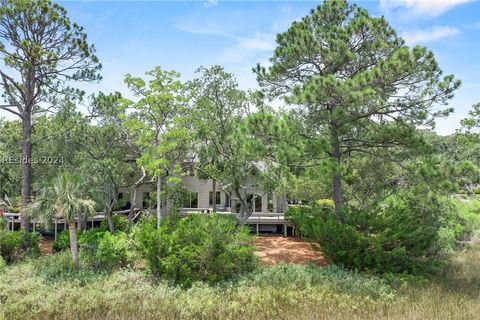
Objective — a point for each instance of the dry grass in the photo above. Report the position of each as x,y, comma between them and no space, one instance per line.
24,294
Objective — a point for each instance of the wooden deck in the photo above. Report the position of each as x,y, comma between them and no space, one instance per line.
256,220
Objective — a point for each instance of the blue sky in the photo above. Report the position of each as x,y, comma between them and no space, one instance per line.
133,37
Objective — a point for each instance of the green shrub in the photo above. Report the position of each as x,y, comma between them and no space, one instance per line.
326,203
3,264
120,222
63,238
62,243
15,245
469,213
104,250
405,234
10,245
208,248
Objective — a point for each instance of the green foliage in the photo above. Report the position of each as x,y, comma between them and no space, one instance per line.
62,243
208,248
120,222
17,245
405,234
3,264
106,251
469,213
100,249
227,152
361,97
63,198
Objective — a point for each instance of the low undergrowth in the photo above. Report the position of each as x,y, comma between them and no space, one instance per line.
48,288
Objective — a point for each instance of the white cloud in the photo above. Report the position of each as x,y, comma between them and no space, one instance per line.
248,47
421,7
429,35
259,42
210,3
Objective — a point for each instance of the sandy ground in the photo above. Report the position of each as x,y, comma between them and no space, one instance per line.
46,245
276,249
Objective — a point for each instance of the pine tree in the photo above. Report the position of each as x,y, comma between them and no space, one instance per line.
356,83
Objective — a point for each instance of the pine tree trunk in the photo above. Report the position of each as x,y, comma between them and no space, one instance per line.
159,201
26,170
73,243
214,195
337,175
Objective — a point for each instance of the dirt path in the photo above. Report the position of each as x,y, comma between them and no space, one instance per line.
276,249
46,245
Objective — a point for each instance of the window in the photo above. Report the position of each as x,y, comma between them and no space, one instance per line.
258,203
254,202
217,198
191,200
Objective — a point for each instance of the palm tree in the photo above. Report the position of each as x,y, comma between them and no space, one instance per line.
64,199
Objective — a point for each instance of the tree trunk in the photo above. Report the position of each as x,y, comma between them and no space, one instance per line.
159,201
133,196
73,243
337,175
109,216
245,212
26,170
133,200
214,195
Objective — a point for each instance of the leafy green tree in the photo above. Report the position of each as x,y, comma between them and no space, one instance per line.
157,121
106,153
357,85
469,137
42,51
219,114
10,132
65,198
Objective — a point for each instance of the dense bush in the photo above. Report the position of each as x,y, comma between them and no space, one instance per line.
62,242
469,212
406,233
104,250
120,222
63,237
16,245
3,222
208,248
2,264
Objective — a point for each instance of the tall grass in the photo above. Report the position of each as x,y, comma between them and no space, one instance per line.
47,288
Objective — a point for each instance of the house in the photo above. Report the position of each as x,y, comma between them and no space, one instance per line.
201,197
268,208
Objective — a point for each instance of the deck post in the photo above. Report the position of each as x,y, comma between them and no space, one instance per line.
258,231
56,227
33,222
285,229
